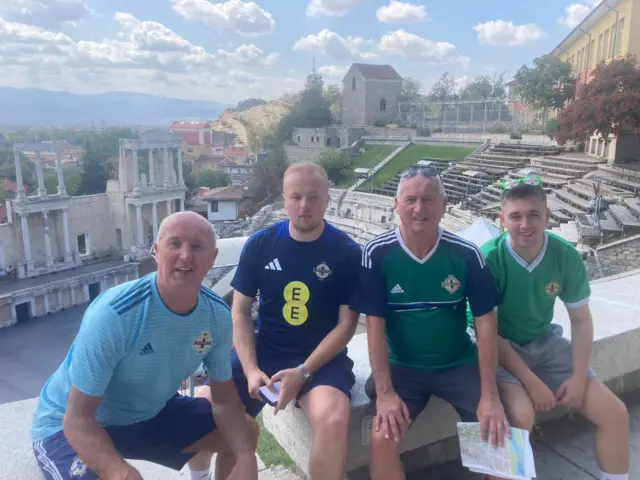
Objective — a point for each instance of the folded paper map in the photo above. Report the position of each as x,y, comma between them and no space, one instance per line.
513,460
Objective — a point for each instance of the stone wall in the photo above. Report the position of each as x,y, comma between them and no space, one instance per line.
303,154
614,258
381,90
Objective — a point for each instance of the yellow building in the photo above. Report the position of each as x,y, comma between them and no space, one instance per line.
611,30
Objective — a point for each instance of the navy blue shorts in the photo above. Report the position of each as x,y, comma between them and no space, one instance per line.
338,373
460,386
182,422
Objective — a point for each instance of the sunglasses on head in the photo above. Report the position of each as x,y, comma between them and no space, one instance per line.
514,182
424,171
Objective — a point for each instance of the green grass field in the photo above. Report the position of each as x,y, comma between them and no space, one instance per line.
270,450
372,156
413,154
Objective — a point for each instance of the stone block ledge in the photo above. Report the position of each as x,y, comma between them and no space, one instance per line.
432,439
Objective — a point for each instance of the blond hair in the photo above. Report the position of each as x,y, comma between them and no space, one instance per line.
309,168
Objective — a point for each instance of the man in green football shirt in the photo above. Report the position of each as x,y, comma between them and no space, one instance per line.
413,286
540,369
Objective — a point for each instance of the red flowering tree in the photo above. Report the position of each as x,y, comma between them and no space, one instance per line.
608,104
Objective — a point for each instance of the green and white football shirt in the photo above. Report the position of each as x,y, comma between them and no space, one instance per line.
424,300
528,291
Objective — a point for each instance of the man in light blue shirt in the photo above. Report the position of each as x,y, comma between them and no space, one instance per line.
114,397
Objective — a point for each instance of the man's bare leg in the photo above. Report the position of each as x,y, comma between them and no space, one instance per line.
384,463
609,415
225,460
518,407
328,410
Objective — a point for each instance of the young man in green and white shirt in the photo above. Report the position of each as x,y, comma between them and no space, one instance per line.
540,369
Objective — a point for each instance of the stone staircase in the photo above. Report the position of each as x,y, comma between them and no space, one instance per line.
390,187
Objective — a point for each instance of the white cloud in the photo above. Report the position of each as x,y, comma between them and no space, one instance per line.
401,12
417,49
330,43
577,12
334,8
250,55
333,72
499,32
44,13
244,18
145,57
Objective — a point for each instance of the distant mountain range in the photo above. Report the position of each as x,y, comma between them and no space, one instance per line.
32,106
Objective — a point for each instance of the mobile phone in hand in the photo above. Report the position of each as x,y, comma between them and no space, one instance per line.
268,396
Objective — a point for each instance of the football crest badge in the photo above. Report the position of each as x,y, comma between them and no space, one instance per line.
552,288
451,284
202,343
322,271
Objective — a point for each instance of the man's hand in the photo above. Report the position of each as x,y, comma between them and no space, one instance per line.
392,416
542,397
246,468
127,472
571,392
256,379
493,421
291,382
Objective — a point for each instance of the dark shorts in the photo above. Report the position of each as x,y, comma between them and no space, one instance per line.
460,386
338,373
182,422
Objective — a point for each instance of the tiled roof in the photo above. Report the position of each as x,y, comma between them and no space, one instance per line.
190,125
210,158
380,72
224,193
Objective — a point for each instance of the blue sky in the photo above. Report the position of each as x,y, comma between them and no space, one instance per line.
228,50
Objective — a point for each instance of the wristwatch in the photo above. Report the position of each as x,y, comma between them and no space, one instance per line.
306,374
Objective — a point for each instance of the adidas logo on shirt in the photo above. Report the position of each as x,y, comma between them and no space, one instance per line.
146,350
273,265
397,289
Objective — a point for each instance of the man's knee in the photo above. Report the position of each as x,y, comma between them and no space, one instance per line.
381,445
518,406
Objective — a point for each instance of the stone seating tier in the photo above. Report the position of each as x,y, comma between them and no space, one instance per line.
432,437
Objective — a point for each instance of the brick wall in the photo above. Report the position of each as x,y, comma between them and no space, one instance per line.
616,257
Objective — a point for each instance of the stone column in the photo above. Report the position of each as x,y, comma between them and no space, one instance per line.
154,219
182,204
122,177
68,256
136,176
152,170
59,295
180,177
85,291
46,303
20,192
62,189
167,177
26,241
139,225
168,207
47,240
73,295
42,192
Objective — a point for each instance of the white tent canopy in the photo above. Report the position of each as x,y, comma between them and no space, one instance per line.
480,232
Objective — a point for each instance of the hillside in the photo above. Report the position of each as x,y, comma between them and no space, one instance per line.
32,106
261,117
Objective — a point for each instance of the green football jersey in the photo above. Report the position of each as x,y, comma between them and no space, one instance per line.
424,300
528,291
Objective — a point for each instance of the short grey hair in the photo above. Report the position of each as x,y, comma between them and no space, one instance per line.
441,190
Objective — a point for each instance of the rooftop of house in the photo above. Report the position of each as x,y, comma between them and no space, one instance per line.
224,193
190,125
377,72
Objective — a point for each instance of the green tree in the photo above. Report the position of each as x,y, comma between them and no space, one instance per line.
547,85
443,91
484,88
8,168
212,179
310,111
71,177
336,164
94,175
333,95
267,180
411,90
